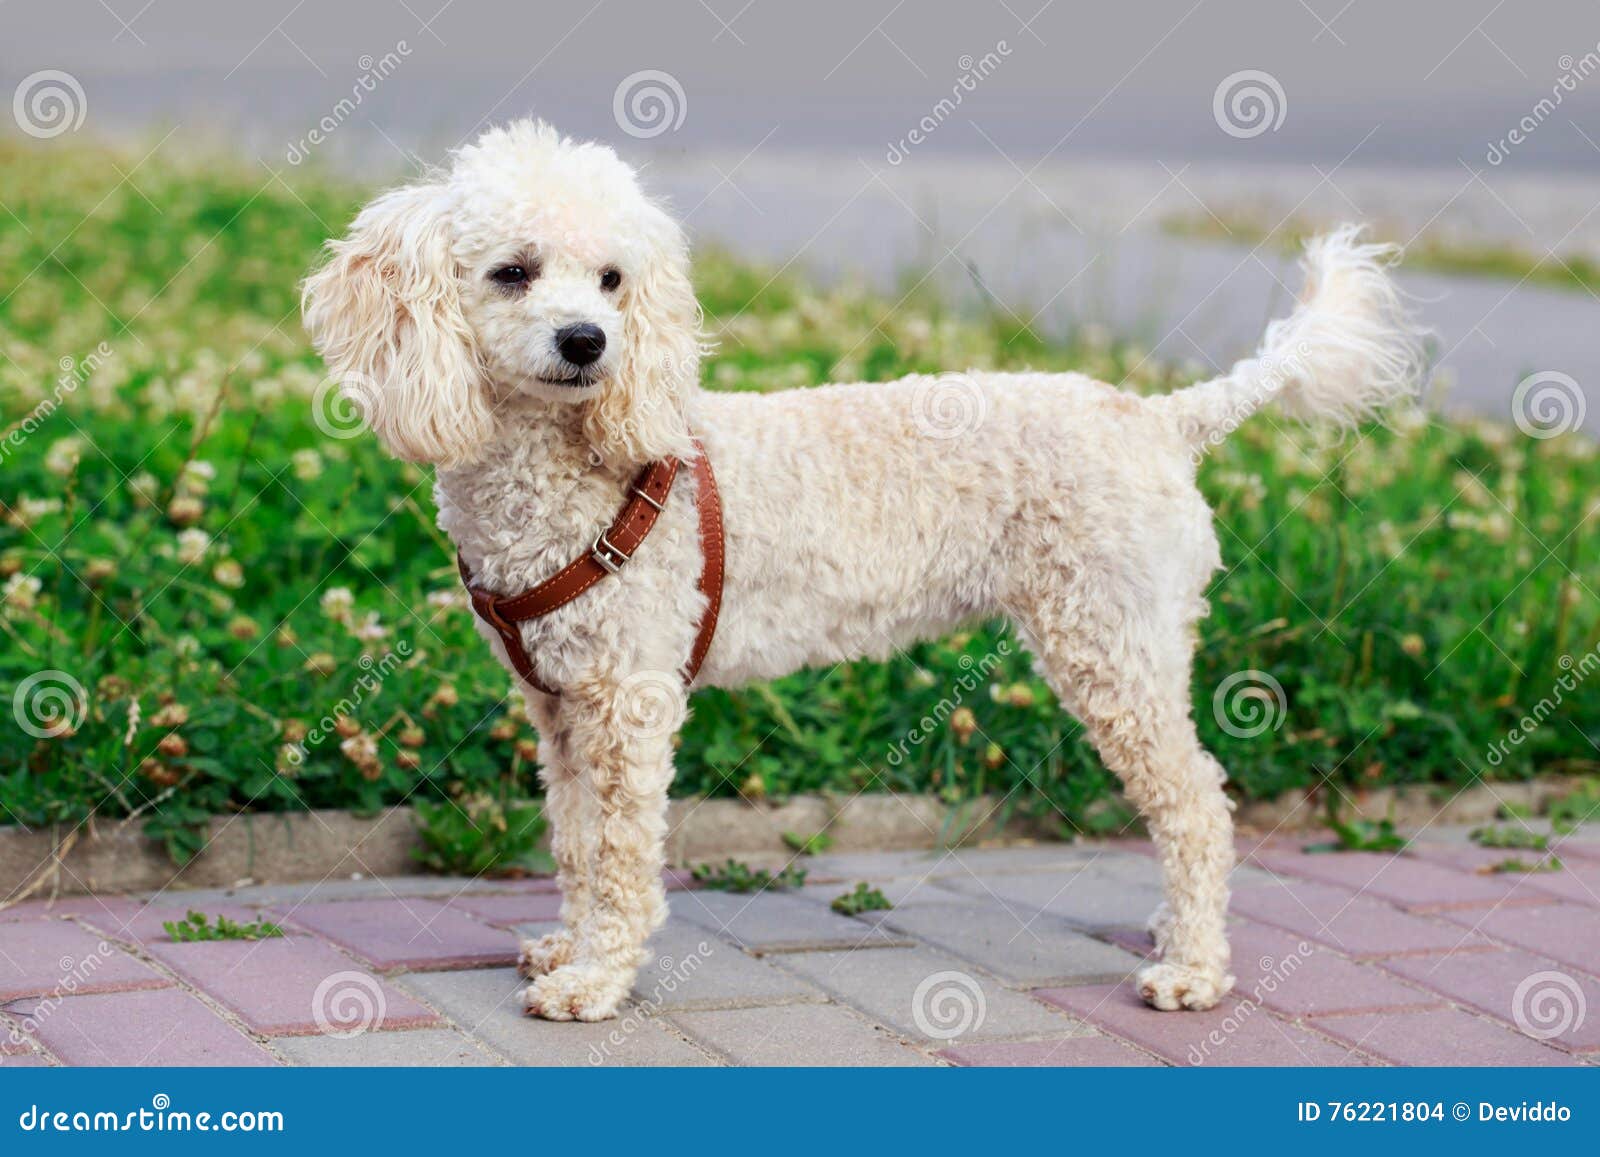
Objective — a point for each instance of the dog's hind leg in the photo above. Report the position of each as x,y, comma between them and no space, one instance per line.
1124,672
624,769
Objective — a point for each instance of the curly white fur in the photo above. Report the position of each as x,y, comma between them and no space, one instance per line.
858,518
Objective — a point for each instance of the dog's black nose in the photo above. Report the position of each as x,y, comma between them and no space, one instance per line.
581,344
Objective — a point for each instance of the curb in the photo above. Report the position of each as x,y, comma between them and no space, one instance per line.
297,847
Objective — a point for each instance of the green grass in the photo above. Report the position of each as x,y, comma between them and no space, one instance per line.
1442,255
219,576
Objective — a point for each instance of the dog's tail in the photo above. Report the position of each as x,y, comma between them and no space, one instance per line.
1349,349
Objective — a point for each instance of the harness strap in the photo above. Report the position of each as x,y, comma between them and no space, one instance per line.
609,553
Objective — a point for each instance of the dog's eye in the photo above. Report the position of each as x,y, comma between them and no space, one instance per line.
513,275
610,279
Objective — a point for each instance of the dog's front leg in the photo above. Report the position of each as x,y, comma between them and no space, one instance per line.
624,769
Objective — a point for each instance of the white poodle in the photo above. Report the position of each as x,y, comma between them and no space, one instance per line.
525,320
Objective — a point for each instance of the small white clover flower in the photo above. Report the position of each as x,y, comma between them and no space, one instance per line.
192,546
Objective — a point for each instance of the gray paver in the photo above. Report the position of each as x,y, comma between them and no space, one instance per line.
487,1003
426,1047
797,1034
1022,948
1090,896
694,969
775,922
900,986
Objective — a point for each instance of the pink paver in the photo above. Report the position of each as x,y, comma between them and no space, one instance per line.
60,909
409,933
281,987
1233,1033
144,1029
1569,933
1490,982
1577,881
1072,1052
43,956
1294,976
1472,858
1403,880
141,923
505,910
1355,925
1439,1036
24,1061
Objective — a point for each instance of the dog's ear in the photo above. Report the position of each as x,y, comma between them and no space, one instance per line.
641,415
385,315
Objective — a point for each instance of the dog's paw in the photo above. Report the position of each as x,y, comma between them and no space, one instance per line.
1160,926
549,952
1173,986
576,992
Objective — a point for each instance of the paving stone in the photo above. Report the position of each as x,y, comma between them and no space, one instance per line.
1085,894
61,908
900,986
1291,975
1236,1032
1068,1052
1441,1036
1566,932
691,968
1403,880
43,955
775,922
292,986
365,888
1356,925
1471,858
23,1061
141,921
1577,881
504,910
877,866
797,1034
1021,948
1490,981
487,1004
424,1047
144,1029
407,933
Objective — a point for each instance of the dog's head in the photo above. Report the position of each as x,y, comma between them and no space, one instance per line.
532,266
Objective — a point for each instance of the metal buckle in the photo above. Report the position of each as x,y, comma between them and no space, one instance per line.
640,492
608,555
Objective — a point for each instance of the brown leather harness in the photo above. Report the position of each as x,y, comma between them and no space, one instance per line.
609,554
